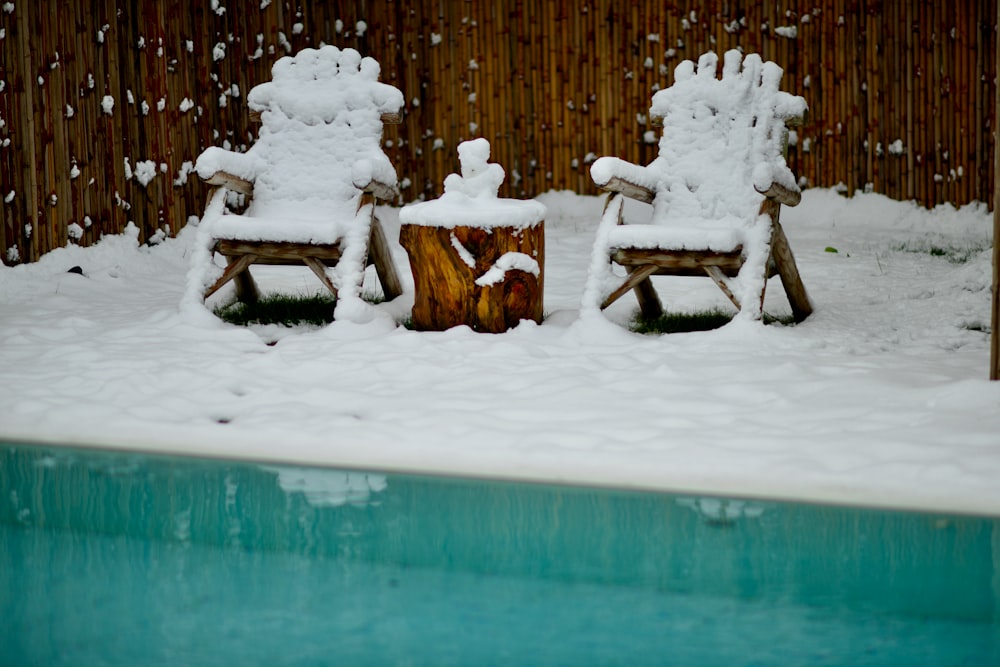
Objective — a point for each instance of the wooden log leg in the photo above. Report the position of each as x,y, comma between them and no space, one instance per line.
781,253
649,300
447,262
522,299
246,288
445,293
319,269
381,257
489,318
719,278
504,305
636,276
234,268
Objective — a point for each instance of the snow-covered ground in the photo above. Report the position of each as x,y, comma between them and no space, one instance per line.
879,398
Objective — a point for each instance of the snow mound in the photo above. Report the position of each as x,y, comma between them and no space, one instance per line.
321,134
470,199
723,138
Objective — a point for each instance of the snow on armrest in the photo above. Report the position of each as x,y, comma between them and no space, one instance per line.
221,167
632,180
781,194
777,183
230,182
380,190
377,177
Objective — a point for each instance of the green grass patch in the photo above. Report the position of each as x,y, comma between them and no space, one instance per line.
666,323
786,320
953,254
704,320
285,309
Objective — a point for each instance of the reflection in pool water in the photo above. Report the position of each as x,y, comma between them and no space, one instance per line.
111,558
322,487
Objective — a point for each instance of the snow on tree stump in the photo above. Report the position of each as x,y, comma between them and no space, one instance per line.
476,259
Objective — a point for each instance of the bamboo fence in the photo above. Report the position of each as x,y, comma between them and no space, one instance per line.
105,104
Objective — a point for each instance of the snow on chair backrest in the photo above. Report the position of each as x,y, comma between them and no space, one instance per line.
321,133
723,138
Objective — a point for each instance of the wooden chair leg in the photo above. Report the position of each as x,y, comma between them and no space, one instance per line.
319,269
781,253
636,275
649,300
235,267
381,257
719,278
246,288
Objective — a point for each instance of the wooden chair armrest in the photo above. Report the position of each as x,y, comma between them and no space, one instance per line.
231,182
380,190
782,195
616,175
630,190
797,121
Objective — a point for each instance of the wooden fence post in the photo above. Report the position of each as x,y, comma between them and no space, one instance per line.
995,317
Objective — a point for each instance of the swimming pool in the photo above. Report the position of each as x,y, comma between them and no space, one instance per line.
124,559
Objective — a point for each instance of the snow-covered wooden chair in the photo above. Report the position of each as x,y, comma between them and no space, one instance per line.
311,179
716,189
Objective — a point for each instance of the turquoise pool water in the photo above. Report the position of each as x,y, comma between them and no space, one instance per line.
121,559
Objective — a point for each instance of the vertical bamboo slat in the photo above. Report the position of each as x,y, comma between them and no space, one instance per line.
26,144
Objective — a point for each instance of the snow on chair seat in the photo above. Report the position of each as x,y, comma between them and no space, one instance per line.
311,178
716,189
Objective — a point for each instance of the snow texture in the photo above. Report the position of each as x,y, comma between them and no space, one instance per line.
145,171
509,261
470,199
721,146
319,147
880,398
463,252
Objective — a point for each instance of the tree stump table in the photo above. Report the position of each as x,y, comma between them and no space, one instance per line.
476,259
487,277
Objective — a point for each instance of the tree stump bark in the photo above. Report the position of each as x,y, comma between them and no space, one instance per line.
447,262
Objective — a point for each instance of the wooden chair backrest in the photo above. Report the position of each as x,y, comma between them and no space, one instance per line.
721,138
321,132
